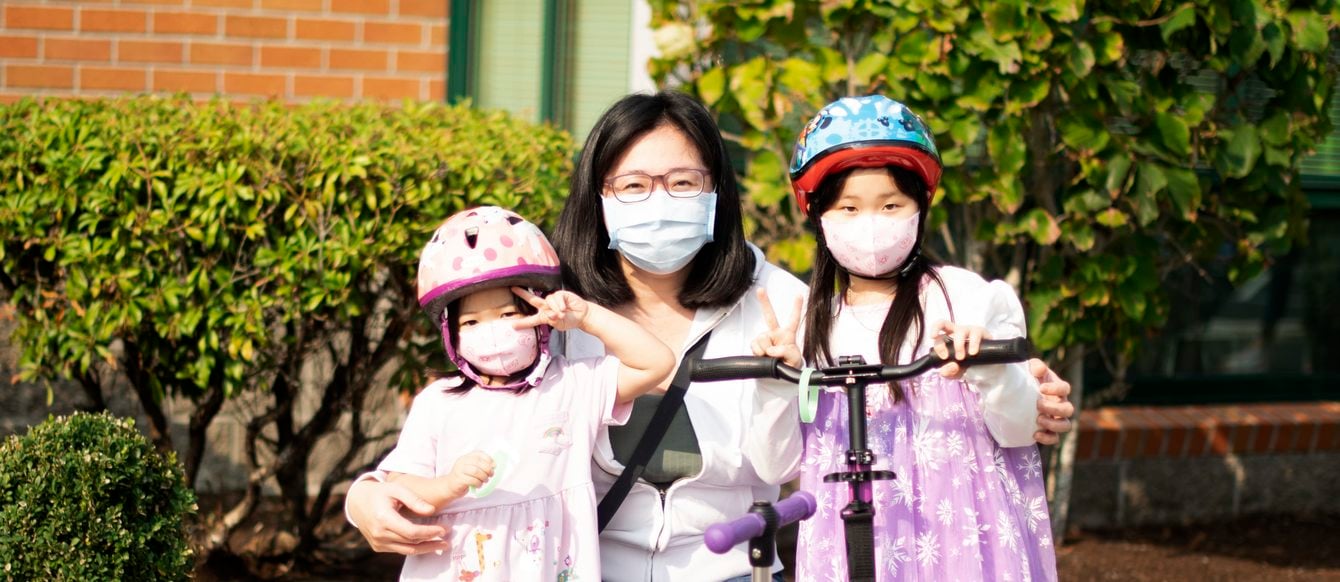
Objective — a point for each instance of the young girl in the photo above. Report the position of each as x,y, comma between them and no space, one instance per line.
502,449
967,502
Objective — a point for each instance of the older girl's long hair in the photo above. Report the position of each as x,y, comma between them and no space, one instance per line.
829,281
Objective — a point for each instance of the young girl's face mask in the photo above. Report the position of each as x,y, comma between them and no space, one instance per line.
496,349
871,245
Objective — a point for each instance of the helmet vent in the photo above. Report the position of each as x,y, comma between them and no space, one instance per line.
515,220
472,236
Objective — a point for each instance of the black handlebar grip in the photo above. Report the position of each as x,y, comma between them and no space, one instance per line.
733,368
1006,351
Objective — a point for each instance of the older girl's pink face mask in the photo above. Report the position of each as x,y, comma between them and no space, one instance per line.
870,245
496,349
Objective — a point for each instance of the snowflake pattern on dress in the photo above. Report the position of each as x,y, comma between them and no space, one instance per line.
960,507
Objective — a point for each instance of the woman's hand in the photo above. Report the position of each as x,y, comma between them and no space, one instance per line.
471,470
1054,407
779,341
375,508
967,339
561,310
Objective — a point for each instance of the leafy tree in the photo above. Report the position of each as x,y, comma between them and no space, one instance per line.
208,251
1091,148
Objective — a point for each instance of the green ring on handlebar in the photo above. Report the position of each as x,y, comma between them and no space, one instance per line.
809,397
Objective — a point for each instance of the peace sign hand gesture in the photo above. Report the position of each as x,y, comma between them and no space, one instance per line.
561,310
779,341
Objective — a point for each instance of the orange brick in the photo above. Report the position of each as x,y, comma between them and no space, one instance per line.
290,57
150,51
290,5
1264,438
103,20
1243,437
1305,434
209,53
1087,449
391,88
1107,446
392,33
75,49
420,61
323,86
437,35
18,47
437,90
187,81
224,3
155,2
1222,441
39,17
1196,439
318,29
185,23
361,6
1176,440
114,79
256,26
254,84
39,76
366,60
1328,436
1285,434
1133,442
11,97
429,8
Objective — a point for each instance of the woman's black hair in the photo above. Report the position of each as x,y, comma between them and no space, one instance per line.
454,336
829,281
721,272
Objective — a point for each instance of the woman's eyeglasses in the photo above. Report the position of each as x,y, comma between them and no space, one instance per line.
630,188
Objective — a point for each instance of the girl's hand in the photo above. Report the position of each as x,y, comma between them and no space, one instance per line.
561,310
779,341
471,470
967,339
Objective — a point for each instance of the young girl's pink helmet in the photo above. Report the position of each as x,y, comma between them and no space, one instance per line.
481,248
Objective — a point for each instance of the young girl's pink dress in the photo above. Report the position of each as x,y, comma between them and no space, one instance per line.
962,507
536,519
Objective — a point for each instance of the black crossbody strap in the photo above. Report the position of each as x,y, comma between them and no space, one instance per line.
660,422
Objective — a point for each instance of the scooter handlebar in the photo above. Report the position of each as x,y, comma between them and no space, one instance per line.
722,537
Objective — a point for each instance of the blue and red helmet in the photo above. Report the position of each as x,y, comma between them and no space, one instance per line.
862,132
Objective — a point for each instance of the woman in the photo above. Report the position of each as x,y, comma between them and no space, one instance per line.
655,178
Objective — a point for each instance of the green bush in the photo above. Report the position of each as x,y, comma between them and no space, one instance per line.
204,250
86,497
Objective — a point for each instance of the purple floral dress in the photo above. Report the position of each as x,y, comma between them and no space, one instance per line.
960,508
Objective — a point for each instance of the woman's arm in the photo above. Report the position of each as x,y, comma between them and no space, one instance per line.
375,509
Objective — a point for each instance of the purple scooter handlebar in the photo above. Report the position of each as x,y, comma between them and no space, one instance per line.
722,537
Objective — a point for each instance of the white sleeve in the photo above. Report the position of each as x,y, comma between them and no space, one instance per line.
773,441
1009,393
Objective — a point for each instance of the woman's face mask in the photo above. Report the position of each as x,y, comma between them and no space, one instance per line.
663,233
496,349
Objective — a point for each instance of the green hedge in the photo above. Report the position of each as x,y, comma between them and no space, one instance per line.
192,229
208,249
86,497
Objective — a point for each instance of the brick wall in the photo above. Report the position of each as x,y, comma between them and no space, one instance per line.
1142,465
289,49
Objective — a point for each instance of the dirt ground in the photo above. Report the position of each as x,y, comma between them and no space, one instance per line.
1248,549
